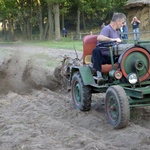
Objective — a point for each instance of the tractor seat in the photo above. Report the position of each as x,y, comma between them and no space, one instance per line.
105,67
88,59
89,43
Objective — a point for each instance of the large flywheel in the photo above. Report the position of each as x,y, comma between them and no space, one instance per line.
135,60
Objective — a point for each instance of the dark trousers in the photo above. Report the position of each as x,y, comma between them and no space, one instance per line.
98,59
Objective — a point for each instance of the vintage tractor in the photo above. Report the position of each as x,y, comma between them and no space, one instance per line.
127,82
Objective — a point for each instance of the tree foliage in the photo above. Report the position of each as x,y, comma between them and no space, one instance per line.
30,18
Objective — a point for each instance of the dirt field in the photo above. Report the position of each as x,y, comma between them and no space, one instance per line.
36,113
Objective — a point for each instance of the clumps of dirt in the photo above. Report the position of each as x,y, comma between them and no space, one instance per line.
38,77
21,72
12,74
141,116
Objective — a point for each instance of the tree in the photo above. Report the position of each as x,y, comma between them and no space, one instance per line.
57,21
8,14
42,17
50,22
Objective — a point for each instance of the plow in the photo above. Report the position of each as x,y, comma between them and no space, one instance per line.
62,72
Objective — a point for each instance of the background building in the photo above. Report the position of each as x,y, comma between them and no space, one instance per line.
140,9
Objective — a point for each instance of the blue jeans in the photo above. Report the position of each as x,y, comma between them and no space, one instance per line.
136,34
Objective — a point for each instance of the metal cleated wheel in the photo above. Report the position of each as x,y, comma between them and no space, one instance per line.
81,94
117,107
65,72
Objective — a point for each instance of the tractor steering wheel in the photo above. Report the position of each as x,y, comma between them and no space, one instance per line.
107,44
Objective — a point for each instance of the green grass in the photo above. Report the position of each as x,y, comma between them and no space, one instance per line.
64,43
70,45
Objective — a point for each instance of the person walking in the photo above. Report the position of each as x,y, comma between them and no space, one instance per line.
135,26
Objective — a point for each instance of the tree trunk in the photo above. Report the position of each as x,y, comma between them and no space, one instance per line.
50,23
83,21
10,30
78,23
5,29
62,21
45,31
30,21
24,30
28,30
57,21
40,19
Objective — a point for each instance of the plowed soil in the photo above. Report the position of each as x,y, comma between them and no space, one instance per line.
36,113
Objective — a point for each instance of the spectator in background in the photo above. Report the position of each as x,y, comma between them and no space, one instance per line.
103,25
64,32
135,26
124,31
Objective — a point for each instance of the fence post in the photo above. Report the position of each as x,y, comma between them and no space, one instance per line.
91,32
71,36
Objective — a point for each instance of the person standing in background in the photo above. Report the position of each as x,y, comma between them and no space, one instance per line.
124,31
64,32
135,26
103,25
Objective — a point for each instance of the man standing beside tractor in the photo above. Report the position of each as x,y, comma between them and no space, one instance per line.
108,33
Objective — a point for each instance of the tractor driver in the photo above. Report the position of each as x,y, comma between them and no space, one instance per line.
108,33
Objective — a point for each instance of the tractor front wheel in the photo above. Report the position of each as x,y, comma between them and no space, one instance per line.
117,107
81,94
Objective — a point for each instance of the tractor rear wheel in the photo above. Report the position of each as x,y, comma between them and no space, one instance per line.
117,107
81,94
